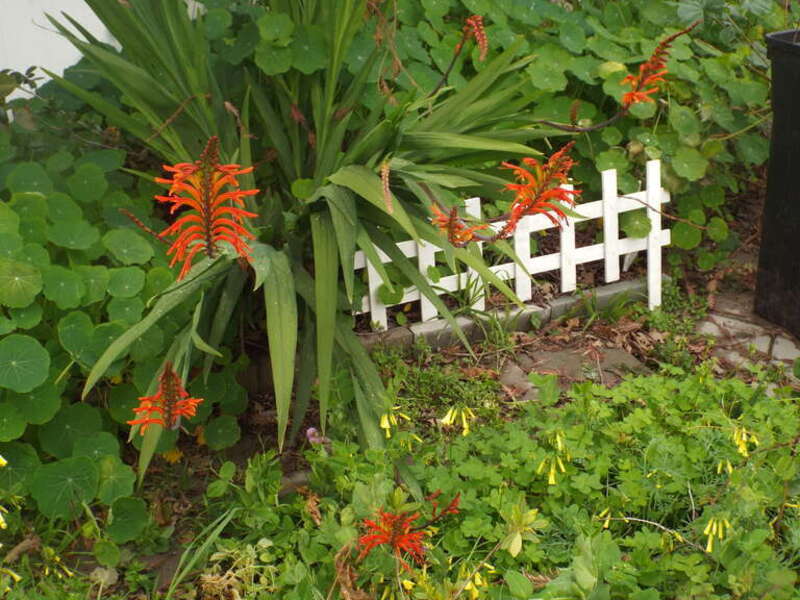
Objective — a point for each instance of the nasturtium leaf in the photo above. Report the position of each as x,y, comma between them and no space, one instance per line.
22,460
573,38
689,163
107,159
106,553
614,158
308,46
147,345
29,205
10,245
606,49
697,216
548,76
59,162
217,21
706,260
12,423
127,310
272,59
222,432
116,479
27,317
223,389
635,223
24,363
683,120
96,445
95,278
9,219
33,229
29,177
70,424
63,286
713,196
717,229
686,236
128,247
643,110
126,282
158,279
6,325
75,332
76,234
88,183
122,399
127,519
34,254
38,406
60,488
611,136
63,208
753,149
102,337
390,296
276,27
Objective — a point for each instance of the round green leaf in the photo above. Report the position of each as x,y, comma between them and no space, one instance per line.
6,325
643,110
222,432
116,479
272,59
76,234
63,208
95,278
24,363
128,310
217,21
33,230
106,553
75,332
36,255
611,136
63,286
309,48
102,337
19,283
9,220
22,460
689,163
717,229
127,519
698,216
88,183
683,120
27,317
276,27
12,423
29,177
96,446
519,585
614,158
61,487
126,282
59,162
128,247
158,279
686,236
635,223
29,205
753,149
107,159
72,423
121,402
38,406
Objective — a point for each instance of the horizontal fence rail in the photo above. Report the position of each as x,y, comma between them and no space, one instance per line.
566,260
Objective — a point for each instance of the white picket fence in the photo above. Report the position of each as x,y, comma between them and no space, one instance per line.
566,260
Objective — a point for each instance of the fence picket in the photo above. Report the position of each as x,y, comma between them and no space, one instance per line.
473,209
569,273
610,225
654,237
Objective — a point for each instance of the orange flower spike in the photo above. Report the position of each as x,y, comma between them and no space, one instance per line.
651,72
474,28
211,215
397,532
166,407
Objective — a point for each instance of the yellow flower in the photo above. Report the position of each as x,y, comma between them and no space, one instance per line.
717,527
724,465
463,414
408,585
389,420
3,461
172,456
742,438
3,524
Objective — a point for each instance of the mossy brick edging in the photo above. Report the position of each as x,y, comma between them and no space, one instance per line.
438,333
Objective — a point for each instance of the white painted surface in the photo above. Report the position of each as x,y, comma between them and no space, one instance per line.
565,261
27,37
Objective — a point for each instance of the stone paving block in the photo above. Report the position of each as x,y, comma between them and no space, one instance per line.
438,333
396,337
514,377
785,349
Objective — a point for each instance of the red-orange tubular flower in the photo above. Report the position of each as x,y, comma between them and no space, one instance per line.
167,405
651,72
458,233
213,216
539,188
397,532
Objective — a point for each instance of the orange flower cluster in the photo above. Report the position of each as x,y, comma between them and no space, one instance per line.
457,231
399,533
540,188
473,28
167,405
651,72
213,215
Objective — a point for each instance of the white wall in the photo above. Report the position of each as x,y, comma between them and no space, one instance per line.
27,37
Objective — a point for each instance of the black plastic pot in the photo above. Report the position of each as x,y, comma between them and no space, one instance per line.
778,282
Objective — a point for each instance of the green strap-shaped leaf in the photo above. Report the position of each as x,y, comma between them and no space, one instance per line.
434,140
326,279
197,340
305,376
345,221
368,185
169,299
281,306
234,284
